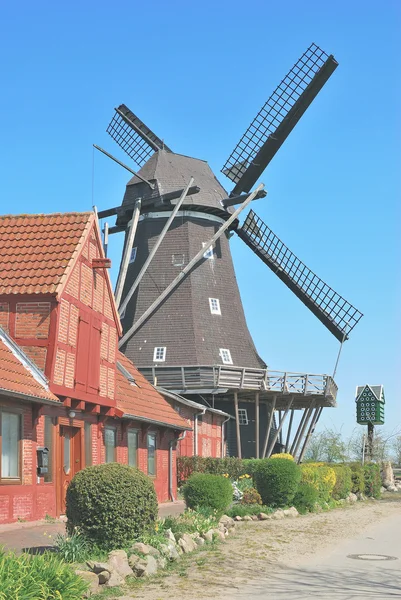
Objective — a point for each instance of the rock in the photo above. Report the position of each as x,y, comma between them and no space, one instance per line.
98,567
237,518
341,502
133,559
170,550
392,488
220,535
154,551
170,535
141,548
360,496
145,566
291,512
247,518
352,498
208,536
254,518
115,580
278,514
318,508
118,561
103,577
387,473
186,543
228,522
93,581
161,562
199,541
263,516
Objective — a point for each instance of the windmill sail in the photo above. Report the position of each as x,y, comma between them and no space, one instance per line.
338,315
133,136
276,119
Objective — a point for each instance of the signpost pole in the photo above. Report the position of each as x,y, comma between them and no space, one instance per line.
371,429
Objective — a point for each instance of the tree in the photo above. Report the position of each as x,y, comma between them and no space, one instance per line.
396,448
327,446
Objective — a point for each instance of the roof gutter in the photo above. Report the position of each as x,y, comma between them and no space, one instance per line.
153,422
29,398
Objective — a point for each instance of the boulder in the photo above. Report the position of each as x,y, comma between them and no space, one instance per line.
387,473
254,518
237,518
360,496
141,548
199,541
352,498
170,551
118,561
228,522
103,577
145,566
291,512
247,518
161,562
169,535
186,543
98,567
115,579
392,488
133,559
208,536
263,516
93,581
278,514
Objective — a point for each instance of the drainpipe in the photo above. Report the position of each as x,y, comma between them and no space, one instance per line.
202,412
170,464
222,436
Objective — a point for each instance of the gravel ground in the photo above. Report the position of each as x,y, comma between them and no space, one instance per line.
258,548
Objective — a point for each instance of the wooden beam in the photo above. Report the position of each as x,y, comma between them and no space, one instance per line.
310,432
257,424
287,442
93,409
237,426
302,431
269,426
295,440
127,251
78,405
67,402
275,437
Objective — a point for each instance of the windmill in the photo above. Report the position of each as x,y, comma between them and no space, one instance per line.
183,321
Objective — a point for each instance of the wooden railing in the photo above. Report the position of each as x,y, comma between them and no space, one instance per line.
236,378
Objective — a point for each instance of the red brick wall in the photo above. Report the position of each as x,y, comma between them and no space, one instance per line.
32,320
4,315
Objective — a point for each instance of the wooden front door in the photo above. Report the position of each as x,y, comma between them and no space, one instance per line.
71,458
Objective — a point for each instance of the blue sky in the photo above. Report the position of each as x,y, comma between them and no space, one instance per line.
197,73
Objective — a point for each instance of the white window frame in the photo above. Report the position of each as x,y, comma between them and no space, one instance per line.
243,416
133,254
225,356
159,354
214,304
178,262
209,254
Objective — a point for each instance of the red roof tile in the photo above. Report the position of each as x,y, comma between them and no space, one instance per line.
18,374
35,250
142,400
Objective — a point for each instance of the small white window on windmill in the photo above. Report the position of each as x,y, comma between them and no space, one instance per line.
178,260
225,355
243,416
159,354
209,252
133,255
215,306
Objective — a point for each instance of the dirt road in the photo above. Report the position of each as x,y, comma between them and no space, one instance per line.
299,558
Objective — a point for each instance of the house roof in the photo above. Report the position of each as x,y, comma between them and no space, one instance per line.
47,245
19,376
377,391
191,403
138,399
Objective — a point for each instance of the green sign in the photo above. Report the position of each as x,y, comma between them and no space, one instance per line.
370,405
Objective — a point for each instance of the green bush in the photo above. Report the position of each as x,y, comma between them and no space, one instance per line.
305,498
251,496
188,465
111,505
358,478
322,477
343,485
205,490
38,577
372,480
277,481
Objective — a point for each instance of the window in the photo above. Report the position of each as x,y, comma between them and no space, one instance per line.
132,447
10,467
151,454
226,356
133,255
48,443
215,306
159,354
209,252
88,444
243,416
110,444
178,260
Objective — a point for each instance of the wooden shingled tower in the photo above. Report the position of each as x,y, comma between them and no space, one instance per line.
183,321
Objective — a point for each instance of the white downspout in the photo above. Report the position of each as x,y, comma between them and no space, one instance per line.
170,464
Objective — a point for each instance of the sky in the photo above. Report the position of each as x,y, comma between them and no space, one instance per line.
197,73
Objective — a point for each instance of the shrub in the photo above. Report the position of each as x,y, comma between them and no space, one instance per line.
242,510
343,484
188,465
306,497
42,576
205,490
358,478
111,505
283,455
199,521
277,481
251,496
372,480
321,477
73,548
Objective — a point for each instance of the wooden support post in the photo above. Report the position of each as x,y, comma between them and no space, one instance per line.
239,453
371,429
302,430
310,432
280,437
275,437
257,424
296,436
287,442
269,426
127,251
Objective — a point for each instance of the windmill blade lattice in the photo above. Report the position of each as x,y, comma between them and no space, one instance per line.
336,313
133,136
278,117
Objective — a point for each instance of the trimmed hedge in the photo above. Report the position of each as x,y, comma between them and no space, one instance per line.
209,491
373,480
306,497
343,484
277,481
112,504
321,477
358,478
188,465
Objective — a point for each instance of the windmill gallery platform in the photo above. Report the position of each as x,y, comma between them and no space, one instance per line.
183,321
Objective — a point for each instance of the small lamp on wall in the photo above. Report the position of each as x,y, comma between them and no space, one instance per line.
71,414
